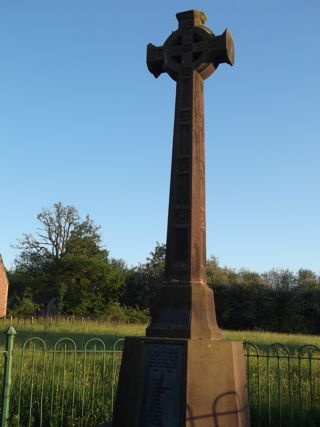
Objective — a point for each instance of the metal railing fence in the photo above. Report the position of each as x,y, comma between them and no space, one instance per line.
283,385
61,385
64,385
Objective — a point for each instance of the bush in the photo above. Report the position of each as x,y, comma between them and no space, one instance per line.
24,306
120,313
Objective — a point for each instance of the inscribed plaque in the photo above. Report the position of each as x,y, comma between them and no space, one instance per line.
163,380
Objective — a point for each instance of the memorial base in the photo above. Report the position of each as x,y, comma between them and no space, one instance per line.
182,383
184,311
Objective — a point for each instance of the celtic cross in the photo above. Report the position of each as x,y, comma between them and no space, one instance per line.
189,55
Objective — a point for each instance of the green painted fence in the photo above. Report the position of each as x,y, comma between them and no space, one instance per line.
63,385
284,385
60,385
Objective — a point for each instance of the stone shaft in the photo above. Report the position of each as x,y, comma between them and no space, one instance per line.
184,305
186,236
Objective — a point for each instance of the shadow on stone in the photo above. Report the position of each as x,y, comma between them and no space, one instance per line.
220,416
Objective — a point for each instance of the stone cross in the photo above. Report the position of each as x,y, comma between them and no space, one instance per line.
177,376
189,55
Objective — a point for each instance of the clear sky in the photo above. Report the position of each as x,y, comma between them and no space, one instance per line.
82,121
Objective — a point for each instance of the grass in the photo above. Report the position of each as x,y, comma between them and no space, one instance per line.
265,339
81,331
64,388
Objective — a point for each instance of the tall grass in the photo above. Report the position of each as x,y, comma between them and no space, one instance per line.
82,330
284,385
54,385
77,330
265,339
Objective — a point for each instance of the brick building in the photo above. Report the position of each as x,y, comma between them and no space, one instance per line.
4,285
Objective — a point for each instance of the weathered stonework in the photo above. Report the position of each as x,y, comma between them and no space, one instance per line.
182,374
184,306
185,383
4,286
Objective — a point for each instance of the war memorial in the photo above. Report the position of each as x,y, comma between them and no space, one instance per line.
182,373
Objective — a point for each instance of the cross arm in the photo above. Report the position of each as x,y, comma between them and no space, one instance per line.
221,49
155,60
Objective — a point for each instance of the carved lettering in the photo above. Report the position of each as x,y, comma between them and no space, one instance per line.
185,115
183,164
182,216
163,379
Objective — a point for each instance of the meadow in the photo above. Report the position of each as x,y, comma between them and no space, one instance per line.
65,373
81,331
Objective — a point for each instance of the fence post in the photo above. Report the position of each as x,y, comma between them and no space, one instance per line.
11,332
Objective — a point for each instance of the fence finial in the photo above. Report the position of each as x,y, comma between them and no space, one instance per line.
11,331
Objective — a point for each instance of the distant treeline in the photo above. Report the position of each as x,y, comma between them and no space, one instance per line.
278,300
65,268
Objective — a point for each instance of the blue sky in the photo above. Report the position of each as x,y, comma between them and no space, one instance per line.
82,121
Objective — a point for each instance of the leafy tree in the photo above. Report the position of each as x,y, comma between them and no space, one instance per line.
280,279
217,275
61,233
141,282
250,278
89,284
307,279
66,260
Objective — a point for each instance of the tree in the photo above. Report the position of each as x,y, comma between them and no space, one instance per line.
280,279
88,284
217,275
307,279
141,282
61,233
66,260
